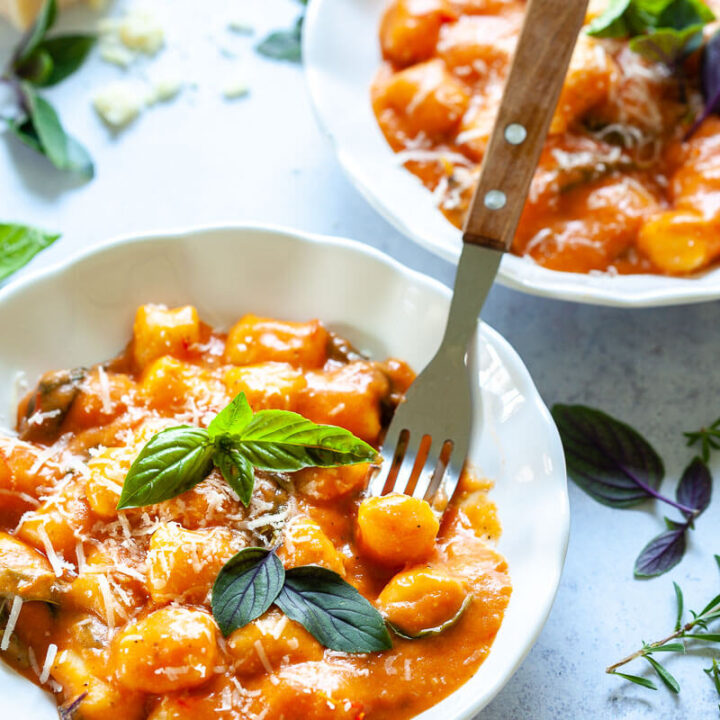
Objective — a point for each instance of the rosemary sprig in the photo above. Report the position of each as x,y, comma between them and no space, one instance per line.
695,630
707,437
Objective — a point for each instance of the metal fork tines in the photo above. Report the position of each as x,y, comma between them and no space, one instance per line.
428,439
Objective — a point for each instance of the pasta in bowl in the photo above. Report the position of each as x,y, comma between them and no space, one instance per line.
123,592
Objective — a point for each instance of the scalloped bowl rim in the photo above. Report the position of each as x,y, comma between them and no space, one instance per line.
338,70
552,537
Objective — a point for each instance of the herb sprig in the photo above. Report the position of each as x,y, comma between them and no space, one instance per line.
708,438
660,30
695,630
40,62
236,442
618,467
329,608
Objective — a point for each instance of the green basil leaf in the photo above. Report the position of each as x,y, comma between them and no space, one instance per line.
608,459
429,632
35,34
612,23
237,471
172,462
332,611
19,244
24,131
681,14
285,441
637,680
68,53
37,68
707,637
283,44
680,606
661,554
246,587
63,151
667,45
664,674
231,419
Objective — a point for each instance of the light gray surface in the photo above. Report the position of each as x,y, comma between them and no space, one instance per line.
202,159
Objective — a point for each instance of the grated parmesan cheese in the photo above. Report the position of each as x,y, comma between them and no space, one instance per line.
56,562
12,621
260,650
47,665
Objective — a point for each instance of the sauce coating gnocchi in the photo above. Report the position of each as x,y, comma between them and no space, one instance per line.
619,187
110,609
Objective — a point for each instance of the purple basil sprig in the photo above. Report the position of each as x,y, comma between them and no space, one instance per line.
618,467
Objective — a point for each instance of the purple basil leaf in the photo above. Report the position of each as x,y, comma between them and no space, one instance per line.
709,82
661,554
695,487
608,459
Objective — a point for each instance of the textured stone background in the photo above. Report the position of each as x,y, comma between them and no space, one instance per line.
202,159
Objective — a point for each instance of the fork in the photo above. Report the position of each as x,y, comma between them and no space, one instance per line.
427,443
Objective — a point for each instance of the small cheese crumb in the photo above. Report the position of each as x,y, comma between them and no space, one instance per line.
140,30
120,102
235,87
240,26
166,86
113,51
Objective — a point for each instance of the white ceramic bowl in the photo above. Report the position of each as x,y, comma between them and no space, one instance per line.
81,312
341,55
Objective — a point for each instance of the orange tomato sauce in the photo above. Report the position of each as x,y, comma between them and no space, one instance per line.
114,606
617,189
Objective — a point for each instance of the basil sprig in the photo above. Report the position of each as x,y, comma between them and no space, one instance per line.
614,464
236,442
19,244
40,62
659,30
329,608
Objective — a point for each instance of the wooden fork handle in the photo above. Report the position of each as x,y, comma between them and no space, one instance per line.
531,93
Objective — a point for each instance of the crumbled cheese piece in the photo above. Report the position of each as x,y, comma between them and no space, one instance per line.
12,621
113,51
240,26
140,30
120,102
235,87
49,660
166,86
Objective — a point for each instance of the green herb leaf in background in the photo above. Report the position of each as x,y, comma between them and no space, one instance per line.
172,462
284,44
41,62
659,30
708,438
683,630
246,587
19,244
332,611
63,151
59,57
36,32
664,674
